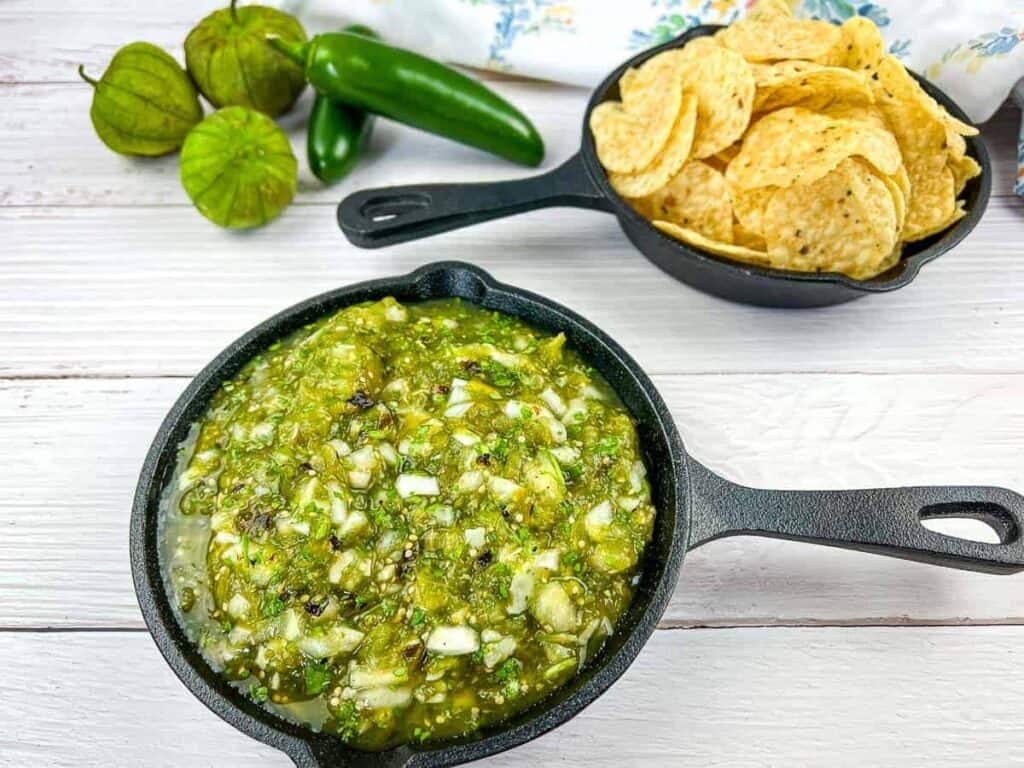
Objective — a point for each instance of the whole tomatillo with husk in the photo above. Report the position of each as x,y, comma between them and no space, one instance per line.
231,62
238,168
145,103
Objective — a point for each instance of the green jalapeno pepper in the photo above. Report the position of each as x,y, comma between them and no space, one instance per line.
415,90
337,133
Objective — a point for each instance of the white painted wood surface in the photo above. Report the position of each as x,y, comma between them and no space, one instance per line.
113,291
925,696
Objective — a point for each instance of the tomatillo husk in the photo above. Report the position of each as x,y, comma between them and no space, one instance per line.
231,62
238,168
145,103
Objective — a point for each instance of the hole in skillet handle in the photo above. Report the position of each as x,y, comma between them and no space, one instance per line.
990,518
388,208
750,284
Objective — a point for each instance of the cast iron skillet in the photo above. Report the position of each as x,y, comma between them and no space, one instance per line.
694,506
377,217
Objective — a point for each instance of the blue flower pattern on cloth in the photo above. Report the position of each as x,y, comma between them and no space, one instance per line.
672,21
974,51
515,18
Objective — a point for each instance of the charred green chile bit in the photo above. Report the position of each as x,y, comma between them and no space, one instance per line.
145,103
337,134
238,168
461,578
229,59
412,89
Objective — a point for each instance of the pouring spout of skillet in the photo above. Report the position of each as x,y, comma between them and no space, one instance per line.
693,505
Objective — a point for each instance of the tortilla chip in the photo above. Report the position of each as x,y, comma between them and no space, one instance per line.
769,37
860,46
629,134
749,205
723,84
795,145
933,196
696,198
815,90
668,162
697,240
842,222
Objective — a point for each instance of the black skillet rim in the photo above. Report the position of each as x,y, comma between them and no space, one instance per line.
438,280
927,251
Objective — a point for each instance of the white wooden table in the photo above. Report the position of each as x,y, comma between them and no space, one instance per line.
114,291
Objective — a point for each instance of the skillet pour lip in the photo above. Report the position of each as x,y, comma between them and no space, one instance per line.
915,255
668,474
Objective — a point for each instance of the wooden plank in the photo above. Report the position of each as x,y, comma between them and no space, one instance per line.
46,40
158,291
40,166
72,450
940,697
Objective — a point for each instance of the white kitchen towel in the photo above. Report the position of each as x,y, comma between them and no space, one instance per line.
972,49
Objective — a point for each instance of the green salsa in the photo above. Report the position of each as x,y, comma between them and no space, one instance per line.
404,523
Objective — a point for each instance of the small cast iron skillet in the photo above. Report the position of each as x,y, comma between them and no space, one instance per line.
694,506
377,217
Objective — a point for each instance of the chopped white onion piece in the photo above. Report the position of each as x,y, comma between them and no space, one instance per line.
503,489
396,313
553,401
458,410
416,485
238,606
388,452
452,641
598,519
637,473
497,652
470,481
466,437
475,537
340,447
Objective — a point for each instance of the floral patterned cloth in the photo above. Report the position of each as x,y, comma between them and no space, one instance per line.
972,49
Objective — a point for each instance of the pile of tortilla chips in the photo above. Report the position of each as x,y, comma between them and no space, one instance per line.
788,143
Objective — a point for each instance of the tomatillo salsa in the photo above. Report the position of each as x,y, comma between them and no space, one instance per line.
403,523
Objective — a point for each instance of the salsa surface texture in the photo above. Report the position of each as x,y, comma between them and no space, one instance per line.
404,523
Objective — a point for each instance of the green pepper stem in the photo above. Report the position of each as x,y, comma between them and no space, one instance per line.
81,74
294,51
234,11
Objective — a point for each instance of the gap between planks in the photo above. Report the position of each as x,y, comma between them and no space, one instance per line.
30,377
664,626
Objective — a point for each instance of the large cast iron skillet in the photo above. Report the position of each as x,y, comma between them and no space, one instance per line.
694,506
377,217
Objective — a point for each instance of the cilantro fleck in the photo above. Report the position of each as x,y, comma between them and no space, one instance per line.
607,446
418,617
500,375
318,677
258,693
500,449
509,670
347,719
272,608
321,528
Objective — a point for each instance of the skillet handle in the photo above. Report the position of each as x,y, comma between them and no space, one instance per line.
884,521
373,218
